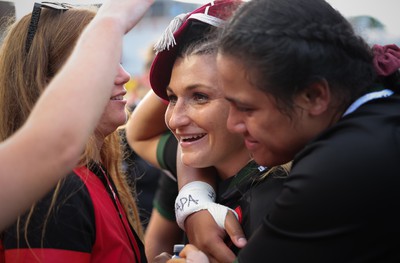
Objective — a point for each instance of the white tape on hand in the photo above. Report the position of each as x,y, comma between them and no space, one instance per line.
196,196
193,197
219,213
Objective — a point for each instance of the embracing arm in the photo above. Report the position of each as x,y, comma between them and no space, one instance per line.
200,226
145,127
49,144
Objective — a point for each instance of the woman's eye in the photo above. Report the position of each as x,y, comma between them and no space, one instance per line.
241,108
199,97
172,99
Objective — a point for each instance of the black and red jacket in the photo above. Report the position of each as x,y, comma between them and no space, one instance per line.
87,224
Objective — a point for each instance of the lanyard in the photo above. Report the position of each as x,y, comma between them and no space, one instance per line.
122,216
367,97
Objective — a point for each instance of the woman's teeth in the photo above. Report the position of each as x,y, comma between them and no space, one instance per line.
117,98
192,138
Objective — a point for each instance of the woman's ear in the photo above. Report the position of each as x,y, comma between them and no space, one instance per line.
315,98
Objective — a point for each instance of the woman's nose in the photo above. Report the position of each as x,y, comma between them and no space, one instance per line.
122,76
234,122
177,115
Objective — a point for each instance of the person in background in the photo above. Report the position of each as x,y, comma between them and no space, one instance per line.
91,214
185,76
142,174
49,145
315,92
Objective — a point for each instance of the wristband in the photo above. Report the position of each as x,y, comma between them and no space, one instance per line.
193,197
196,196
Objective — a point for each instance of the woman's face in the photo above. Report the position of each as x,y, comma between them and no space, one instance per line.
271,136
114,114
197,113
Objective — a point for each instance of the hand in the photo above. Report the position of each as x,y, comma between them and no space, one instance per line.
203,232
190,254
234,230
128,12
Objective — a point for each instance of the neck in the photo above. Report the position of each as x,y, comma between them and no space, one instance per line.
98,143
230,166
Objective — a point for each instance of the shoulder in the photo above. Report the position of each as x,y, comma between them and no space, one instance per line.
64,217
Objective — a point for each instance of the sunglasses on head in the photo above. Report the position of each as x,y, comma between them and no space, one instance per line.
37,9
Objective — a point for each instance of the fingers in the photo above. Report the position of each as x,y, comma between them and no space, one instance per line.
234,230
162,258
219,252
187,249
193,255
206,235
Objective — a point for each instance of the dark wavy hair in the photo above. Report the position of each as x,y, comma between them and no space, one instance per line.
287,44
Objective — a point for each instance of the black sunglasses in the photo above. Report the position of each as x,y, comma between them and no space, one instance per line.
37,9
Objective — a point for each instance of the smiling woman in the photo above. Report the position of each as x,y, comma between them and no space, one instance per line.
193,99
93,202
184,74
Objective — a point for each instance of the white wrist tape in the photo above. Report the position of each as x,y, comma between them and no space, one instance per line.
192,197
196,196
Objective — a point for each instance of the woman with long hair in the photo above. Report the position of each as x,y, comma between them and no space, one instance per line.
91,214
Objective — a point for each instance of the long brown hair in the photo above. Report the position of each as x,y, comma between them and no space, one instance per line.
24,76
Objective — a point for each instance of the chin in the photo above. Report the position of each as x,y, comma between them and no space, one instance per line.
261,159
191,162
121,120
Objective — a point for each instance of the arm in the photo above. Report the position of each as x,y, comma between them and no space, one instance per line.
51,141
162,232
200,227
161,235
145,127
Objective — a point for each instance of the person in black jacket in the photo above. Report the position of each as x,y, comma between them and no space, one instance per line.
303,86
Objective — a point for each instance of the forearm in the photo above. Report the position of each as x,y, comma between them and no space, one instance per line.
147,120
161,235
145,127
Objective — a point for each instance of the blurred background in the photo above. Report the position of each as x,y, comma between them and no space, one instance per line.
377,21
